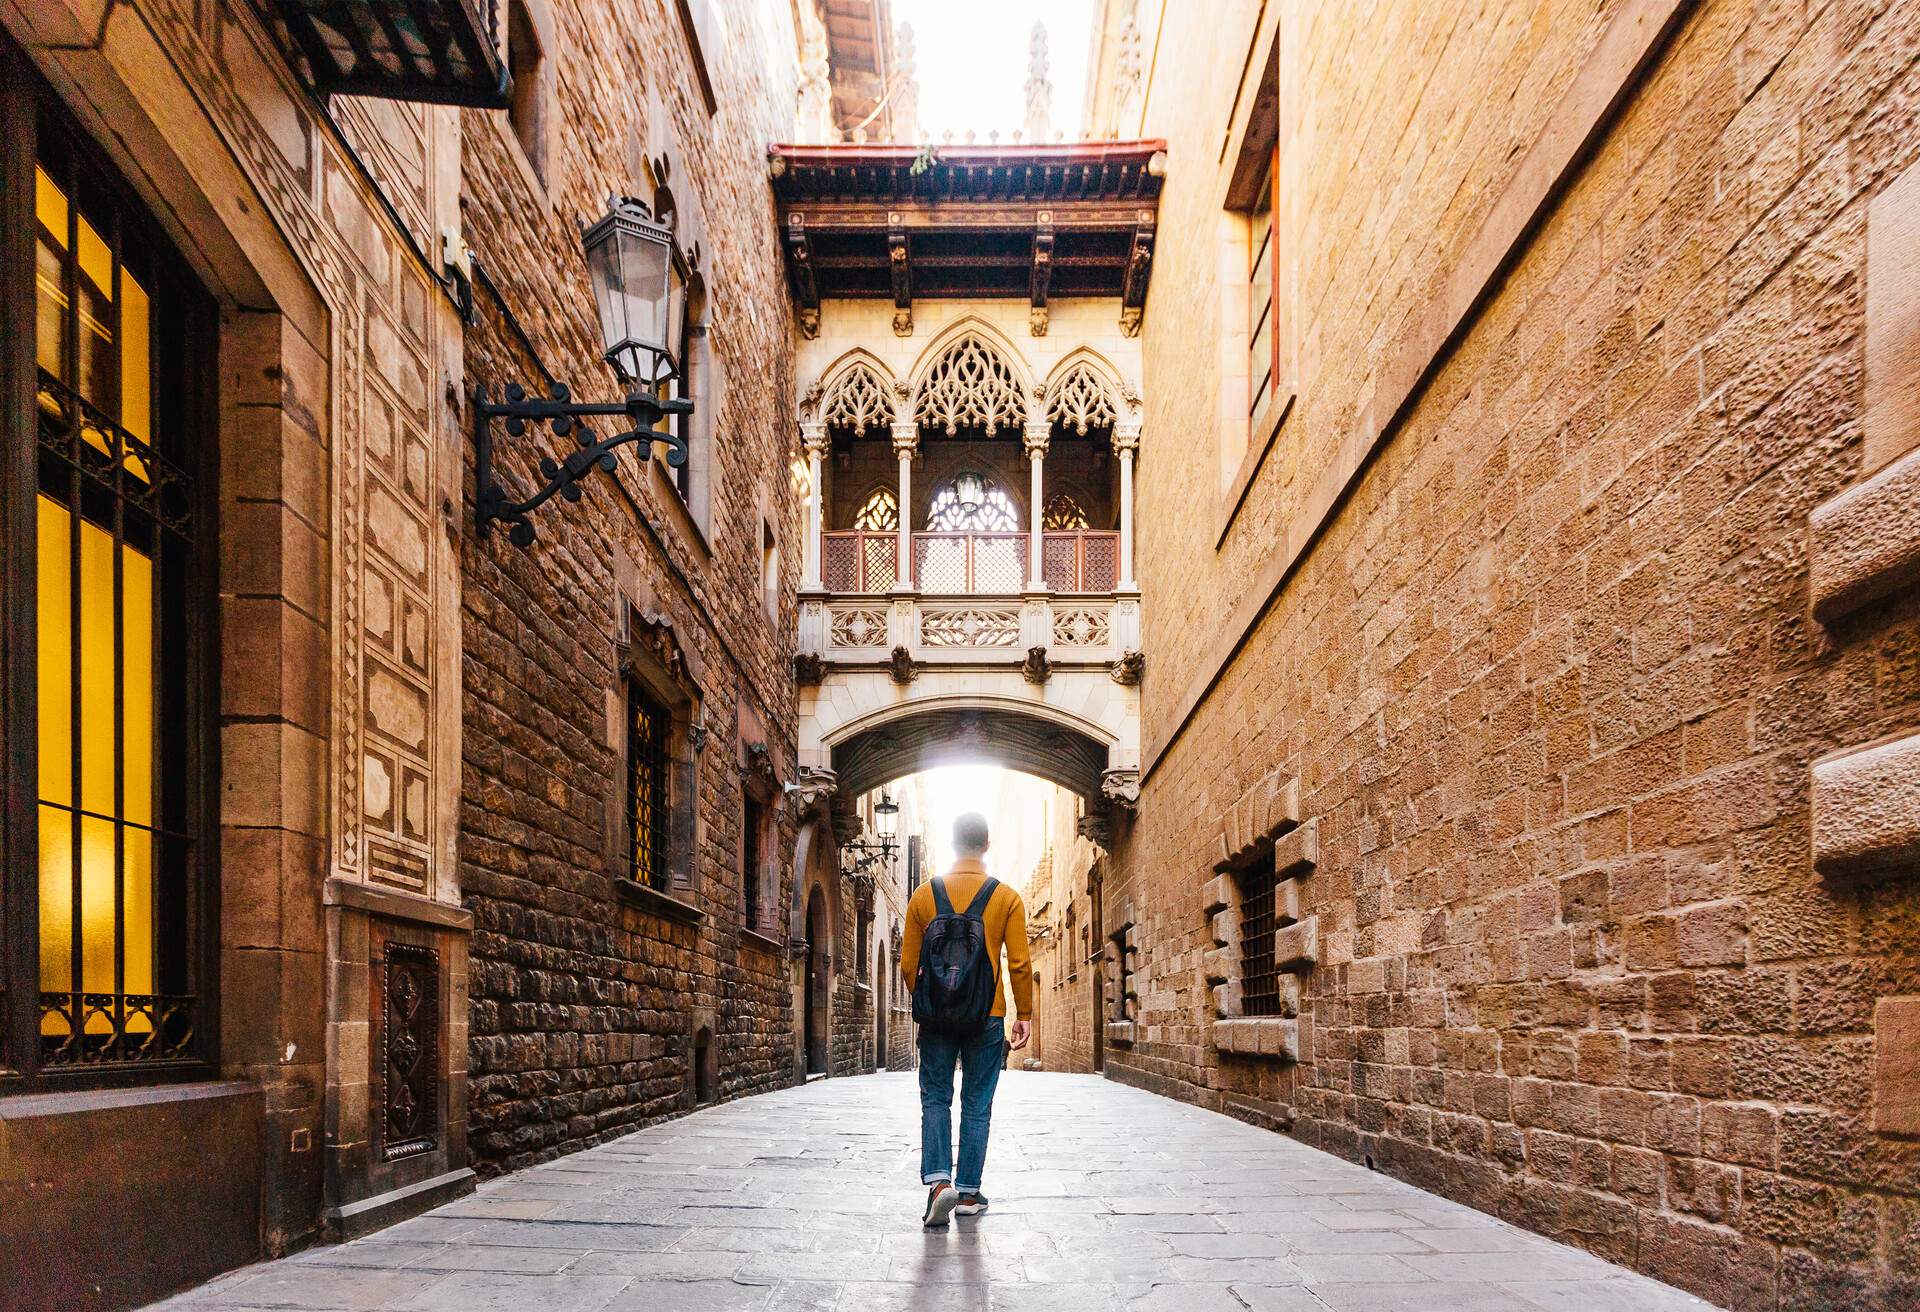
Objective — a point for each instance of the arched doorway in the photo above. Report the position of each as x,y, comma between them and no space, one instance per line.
818,941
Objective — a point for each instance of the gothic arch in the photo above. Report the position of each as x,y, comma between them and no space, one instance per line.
872,750
1086,391
971,375
856,391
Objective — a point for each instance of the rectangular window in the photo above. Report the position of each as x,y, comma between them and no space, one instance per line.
648,723
751,820
914,858
115,561
527,107
1259,980
1263,335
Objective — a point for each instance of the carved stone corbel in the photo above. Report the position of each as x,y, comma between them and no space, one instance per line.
1127,670
812,789
809,670
1121,787
901,666
1037,668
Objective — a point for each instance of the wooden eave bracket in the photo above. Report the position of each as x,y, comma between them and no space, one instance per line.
806,288
900,275
1133,286
1040,276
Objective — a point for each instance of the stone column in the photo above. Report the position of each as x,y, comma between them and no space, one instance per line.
906,440
1126,441
1036,444
813,439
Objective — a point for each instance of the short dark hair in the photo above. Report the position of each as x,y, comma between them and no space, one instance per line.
970,834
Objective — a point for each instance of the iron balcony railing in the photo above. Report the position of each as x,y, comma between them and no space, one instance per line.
1075,560
444,52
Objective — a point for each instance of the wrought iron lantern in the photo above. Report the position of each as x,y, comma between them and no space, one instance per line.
970,490
640,281
859,859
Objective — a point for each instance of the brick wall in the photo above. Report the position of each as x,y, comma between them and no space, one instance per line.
585,1001
1547,677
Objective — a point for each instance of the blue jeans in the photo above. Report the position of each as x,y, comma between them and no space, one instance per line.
980,1058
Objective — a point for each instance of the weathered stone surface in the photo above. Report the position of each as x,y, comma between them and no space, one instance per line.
1896,1066
1866,541
1866,808
1105,1198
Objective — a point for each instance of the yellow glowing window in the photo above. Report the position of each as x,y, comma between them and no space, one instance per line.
113,650
647,725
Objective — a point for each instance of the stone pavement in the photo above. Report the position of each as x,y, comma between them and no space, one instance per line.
1104,1198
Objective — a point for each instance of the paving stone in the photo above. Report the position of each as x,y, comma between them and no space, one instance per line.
825,1217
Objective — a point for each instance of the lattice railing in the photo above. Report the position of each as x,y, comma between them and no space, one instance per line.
970,562
1081,560
860,562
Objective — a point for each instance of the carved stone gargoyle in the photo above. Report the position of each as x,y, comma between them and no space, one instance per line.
900,665
808,669
1127,670
1037,668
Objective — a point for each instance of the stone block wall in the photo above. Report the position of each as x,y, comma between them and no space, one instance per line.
589,998
1522,598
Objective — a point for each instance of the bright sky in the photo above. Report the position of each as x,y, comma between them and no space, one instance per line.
971,59
1005,797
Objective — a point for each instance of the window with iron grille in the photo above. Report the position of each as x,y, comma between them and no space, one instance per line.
751,821
1259,980
648,723
109,572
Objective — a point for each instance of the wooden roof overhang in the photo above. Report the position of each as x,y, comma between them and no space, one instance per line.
980,222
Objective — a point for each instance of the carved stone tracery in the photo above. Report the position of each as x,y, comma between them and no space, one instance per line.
971,385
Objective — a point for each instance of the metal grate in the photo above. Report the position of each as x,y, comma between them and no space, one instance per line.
970,562
647,724
119,655
860,562
750,860
1083,560
1259,980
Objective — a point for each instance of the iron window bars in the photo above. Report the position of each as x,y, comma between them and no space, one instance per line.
112,764
1259,978
648,723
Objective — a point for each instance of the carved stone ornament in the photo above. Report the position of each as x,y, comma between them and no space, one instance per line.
813,788
1097,828
808,669
1127,670
1121,787
900,665
1036,668
759,764
653,634
697,736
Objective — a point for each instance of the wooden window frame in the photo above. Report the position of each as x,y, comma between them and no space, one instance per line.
29,112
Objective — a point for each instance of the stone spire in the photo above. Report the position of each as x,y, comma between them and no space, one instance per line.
906,88
1039,125
814,122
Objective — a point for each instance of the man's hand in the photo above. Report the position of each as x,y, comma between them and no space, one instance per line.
1017,1037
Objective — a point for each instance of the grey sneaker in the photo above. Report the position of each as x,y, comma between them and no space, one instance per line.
971,1205
940,1201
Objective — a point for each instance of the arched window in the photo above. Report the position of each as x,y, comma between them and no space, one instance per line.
972,503
880,513
1062,513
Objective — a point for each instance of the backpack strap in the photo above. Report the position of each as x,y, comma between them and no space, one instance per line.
942,904
977,909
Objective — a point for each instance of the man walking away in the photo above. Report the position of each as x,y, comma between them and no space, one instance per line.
957,925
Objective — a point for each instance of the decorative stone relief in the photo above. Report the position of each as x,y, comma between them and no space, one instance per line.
1121,787
392,568
410,1051
970,386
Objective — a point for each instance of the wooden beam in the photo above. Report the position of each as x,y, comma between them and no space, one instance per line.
1040,276
806,289
900,275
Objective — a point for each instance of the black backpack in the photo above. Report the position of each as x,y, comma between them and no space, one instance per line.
953,993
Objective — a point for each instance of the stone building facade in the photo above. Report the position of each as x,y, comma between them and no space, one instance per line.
1527,779
605,996
1063,897
307,782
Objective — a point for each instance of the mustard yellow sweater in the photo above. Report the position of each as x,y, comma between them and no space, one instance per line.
1006,924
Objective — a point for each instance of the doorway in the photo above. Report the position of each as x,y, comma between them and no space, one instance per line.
815,1023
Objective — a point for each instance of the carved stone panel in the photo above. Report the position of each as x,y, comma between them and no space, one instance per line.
409,1051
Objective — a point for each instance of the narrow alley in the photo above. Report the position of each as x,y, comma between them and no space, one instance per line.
1103,1197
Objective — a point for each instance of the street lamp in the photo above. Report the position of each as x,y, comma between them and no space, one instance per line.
639,281
858,859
